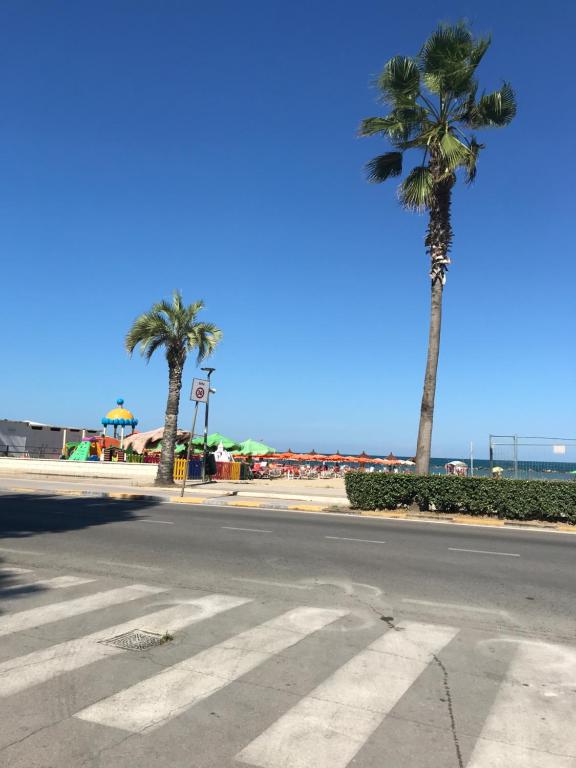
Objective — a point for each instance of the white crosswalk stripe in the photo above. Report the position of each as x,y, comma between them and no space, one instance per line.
13,569
59,582
531,724
46,614
152,702
533,721
39,666
328,727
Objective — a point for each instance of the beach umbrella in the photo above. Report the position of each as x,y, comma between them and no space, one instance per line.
216,438
255,448
391,459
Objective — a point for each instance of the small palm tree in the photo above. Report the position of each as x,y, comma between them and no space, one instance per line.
173,327
434,108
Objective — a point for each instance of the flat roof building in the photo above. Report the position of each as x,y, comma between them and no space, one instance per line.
33,439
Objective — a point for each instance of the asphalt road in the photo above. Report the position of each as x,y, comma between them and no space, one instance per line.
486,607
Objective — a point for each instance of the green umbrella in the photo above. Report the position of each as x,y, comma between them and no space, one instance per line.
214,440
254,448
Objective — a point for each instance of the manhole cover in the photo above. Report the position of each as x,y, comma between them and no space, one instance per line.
136,640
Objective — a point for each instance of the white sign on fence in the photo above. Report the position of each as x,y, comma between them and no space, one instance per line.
200,390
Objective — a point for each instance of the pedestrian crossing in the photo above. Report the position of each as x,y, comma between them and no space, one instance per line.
530,723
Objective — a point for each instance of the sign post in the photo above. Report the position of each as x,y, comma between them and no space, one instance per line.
209,371
200,390
199,394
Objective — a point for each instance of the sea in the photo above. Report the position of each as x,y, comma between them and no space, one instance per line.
522,470
527,470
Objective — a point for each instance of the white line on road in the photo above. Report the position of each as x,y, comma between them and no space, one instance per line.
60,582
532,723
13,569
266,583
483,552
162,522
327,728
130,565
39,666
152,702
455,606
22,551
249,530
46,614
346,538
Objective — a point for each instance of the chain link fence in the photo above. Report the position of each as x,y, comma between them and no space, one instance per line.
532,458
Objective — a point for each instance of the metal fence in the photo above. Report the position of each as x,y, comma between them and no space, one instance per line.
532,458
40,452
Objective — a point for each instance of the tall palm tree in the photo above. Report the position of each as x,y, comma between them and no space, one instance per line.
173,327
434,108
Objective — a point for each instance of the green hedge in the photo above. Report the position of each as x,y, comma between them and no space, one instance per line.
552,500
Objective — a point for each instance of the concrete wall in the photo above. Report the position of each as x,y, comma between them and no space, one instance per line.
18,437
136,474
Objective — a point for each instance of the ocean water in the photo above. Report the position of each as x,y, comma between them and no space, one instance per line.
525,470
531,470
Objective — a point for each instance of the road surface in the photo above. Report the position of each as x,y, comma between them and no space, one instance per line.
283,640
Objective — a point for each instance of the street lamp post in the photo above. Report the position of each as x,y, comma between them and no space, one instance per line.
209,371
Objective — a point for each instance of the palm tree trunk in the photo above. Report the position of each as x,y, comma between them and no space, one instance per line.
165,475
438,241
424,444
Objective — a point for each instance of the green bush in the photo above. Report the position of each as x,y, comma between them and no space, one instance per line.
551,500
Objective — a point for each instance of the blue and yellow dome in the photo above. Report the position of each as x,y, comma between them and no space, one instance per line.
119,416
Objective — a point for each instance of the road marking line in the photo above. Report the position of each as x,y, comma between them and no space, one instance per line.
152,702
483,552
46,614
162,522
456,606
532,723
39,666
249,530
14,569
265,582
327,728
130,565
346,538
60,582
22,551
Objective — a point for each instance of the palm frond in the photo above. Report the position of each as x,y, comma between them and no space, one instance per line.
453,152
399,126
493,109
416,190
448,59
472,160
173,326
147,326
204,338
399,82
373,126
384,166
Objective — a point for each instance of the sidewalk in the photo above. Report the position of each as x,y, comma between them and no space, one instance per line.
317,495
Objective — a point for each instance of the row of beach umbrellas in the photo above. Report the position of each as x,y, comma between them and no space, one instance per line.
255,448
337,458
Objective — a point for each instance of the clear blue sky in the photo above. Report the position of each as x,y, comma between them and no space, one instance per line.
151,145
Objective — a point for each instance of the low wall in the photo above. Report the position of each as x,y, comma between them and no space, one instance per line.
137,474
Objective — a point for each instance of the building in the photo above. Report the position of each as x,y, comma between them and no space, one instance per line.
31,439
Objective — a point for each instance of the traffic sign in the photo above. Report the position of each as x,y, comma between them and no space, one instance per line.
200,390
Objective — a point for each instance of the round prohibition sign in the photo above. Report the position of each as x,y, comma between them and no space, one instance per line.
200,392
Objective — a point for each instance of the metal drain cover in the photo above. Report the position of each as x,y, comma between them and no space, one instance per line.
135,640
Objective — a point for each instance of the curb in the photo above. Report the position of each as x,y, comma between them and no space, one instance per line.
531,525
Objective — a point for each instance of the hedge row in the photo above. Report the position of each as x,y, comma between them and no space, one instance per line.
551,500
